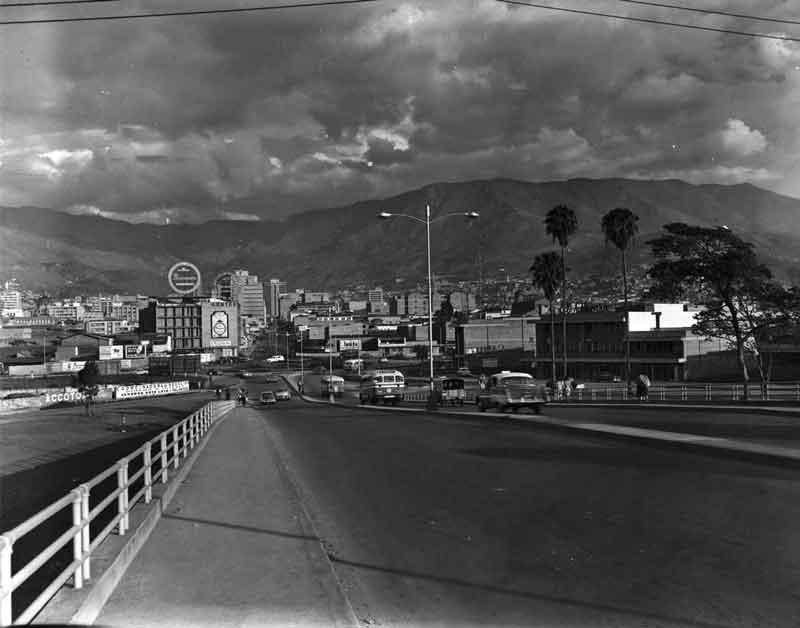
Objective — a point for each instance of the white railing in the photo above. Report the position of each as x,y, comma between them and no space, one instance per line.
152,462
721,393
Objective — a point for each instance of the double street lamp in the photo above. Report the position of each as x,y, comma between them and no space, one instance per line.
427,222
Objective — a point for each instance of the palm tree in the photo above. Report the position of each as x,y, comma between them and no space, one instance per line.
619,227
561,223
546,270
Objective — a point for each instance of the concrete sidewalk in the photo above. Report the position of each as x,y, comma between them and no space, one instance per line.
234,548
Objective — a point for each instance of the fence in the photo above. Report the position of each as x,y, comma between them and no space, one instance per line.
692,392
716,393
132,479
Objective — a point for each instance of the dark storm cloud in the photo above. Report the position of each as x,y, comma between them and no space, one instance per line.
282,111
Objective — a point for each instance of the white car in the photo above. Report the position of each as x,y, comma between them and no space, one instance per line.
275,358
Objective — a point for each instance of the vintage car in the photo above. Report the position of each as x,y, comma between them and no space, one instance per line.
509,390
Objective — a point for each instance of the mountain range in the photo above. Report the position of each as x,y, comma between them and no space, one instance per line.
334,247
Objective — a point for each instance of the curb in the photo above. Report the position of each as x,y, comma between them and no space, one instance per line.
83,606
340,606
657,405
708,445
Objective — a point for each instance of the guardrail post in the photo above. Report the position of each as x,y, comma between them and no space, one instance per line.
77,539
185,444
148,473
87,539
175,452
6,549
683,393
164,473
122,486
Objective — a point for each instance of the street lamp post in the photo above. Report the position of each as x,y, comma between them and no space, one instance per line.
330,366
427,222
302,379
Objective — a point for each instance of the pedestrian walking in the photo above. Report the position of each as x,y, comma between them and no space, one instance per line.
643,387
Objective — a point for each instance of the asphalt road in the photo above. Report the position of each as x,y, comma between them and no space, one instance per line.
435,521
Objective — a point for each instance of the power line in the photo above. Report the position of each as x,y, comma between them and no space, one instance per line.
650,21
712,12
137,16
47,4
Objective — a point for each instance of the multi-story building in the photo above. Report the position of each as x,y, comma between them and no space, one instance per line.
246,290
375,295
417,303
65,311
100,304
125,311
462,301
316,296
11,303
662,343
108,327
286,303
501,334
195,325
274,290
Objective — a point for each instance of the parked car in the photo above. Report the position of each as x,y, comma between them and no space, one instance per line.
275,359
268,397
282,395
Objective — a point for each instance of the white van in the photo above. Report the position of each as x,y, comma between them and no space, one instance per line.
356,364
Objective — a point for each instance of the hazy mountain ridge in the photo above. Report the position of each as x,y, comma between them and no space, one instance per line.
335,246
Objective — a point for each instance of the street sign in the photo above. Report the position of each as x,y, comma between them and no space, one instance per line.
184,277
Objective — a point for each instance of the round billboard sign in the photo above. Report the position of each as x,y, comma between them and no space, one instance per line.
184,277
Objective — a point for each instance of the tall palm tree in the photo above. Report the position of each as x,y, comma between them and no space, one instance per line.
546,270
620,228
561,223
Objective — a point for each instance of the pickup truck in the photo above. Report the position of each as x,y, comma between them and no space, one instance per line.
513,391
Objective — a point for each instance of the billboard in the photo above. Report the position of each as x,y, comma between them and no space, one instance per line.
184,277
111,352
350,344
135,351
219,324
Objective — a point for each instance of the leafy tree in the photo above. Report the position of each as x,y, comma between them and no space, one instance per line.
720,267
545,271
561,223
88,377
619,227
767,311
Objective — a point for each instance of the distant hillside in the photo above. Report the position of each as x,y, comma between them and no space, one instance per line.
335,246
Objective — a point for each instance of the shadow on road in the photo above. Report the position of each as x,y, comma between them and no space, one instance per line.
234,526
631,612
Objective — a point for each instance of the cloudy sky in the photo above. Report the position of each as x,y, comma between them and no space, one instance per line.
268,113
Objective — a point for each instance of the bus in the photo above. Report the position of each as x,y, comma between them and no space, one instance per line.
331,384
385,385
